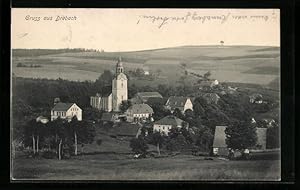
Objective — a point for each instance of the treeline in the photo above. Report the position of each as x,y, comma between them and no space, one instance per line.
38,52
58,138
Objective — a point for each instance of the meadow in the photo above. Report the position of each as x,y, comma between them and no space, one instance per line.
243,64
113,160
111,166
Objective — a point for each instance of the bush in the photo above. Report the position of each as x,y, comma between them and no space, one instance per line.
99,142
49,154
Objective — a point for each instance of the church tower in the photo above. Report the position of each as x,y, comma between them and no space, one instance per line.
119,87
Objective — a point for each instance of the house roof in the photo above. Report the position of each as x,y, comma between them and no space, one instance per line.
140,108
256,95
170,120
220,137
148,94
125,129
62,106
136,100
176,101
156,101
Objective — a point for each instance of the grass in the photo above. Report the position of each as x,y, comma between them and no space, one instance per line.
113,160
123,167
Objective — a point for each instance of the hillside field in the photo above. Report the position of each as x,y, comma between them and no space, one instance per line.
243,64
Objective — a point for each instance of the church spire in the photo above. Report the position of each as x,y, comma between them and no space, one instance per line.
119,67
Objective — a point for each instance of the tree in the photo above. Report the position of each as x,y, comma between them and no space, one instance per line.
240,135
125,105
157,139
273,137
104,79
207,75
74,126
138,145
204,138
178,113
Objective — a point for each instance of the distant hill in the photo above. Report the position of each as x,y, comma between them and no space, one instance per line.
181,53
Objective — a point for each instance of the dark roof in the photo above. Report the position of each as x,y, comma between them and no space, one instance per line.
156,101
176,101
62,106
125,129
148,94
220,137
170,120
136,100
140,108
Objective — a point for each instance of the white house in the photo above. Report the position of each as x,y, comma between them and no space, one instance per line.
138,112
66,111
179,102
167,123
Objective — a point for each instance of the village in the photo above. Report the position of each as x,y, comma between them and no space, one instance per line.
136,119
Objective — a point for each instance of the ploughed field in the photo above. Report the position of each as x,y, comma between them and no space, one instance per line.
244,64
112,166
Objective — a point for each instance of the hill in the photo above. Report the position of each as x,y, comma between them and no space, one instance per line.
246,64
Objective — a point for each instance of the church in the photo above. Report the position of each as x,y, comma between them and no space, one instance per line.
113,97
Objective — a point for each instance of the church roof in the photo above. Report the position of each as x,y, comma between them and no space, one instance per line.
62,106
170,120
140,108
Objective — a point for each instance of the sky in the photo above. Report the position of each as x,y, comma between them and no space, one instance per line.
115,30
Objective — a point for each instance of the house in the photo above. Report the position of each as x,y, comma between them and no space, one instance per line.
66,111
220,146
156,101
42,119
165,124
125,130
146,70
179,102
142,97
112,97
219,143
138,112
256,98
211,98
208,84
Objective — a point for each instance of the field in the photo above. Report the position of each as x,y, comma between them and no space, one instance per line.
244,64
